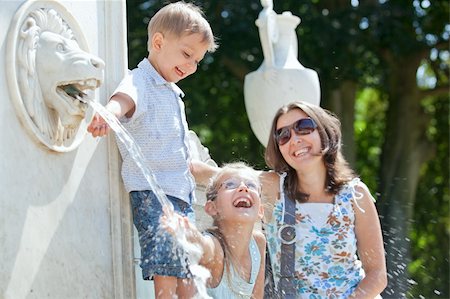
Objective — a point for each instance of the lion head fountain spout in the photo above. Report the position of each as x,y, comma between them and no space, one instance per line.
52,75
68,74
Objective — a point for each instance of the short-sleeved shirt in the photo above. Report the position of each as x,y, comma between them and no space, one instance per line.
159,128
326,264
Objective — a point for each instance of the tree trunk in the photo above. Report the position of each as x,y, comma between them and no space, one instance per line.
342,103
405,149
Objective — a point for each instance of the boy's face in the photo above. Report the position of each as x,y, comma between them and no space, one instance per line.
175,58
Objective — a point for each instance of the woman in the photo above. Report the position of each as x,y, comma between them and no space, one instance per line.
321,214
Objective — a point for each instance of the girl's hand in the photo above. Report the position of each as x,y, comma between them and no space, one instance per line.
173,222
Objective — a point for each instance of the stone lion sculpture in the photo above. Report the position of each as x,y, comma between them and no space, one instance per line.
55,75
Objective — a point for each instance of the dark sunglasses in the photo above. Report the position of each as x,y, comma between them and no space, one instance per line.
303,126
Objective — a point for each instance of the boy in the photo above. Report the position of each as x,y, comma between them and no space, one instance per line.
149,105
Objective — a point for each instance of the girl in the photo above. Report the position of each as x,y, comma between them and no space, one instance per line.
233,251
322,213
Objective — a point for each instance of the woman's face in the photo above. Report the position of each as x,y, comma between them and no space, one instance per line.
303,150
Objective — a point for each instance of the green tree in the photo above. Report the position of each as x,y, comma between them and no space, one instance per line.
367,54
431,222
403,39
383,44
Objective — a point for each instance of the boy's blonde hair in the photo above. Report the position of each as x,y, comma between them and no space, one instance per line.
181,18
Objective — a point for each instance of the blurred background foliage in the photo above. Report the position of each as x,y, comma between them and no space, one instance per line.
384,70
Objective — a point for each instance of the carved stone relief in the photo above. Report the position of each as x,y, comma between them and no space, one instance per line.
51,74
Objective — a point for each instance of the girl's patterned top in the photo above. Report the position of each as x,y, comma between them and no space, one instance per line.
326,265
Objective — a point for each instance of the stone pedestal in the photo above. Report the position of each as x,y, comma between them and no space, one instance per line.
65,226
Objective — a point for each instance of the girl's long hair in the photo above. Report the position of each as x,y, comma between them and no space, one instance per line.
211,195
338,171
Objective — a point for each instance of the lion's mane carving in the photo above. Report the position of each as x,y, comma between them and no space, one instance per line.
54,75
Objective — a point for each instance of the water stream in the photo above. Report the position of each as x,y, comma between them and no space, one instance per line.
192,251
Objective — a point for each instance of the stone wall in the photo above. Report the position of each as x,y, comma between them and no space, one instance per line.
65,229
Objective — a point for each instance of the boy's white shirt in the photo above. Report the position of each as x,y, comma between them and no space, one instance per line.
159,127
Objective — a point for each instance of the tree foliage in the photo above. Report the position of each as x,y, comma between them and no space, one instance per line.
384,69
431,222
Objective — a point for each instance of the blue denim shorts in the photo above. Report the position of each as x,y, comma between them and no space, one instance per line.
159,255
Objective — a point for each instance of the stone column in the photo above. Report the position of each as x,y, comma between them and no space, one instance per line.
65,228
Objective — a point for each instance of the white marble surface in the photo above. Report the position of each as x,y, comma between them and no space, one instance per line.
64,221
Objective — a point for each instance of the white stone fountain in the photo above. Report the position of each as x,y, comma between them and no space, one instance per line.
65,228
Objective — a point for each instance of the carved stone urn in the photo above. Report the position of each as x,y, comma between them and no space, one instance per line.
281,78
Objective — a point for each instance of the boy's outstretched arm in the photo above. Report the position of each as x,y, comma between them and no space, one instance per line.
120,104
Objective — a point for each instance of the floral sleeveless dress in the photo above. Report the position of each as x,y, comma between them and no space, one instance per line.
326,265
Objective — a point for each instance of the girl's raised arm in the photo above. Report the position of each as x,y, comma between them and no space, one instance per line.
211,250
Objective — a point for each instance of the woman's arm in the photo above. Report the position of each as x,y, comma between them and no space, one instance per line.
258,290
270,180
270,193
202,172
370,247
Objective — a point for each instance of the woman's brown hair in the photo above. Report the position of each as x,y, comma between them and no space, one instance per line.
329,129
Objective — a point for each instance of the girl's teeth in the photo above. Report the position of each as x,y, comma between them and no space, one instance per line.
242,203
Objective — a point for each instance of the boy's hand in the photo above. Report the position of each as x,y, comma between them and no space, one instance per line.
119,105
98,126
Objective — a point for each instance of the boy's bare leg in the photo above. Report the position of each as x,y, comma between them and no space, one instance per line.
165,287
186,288
169,287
